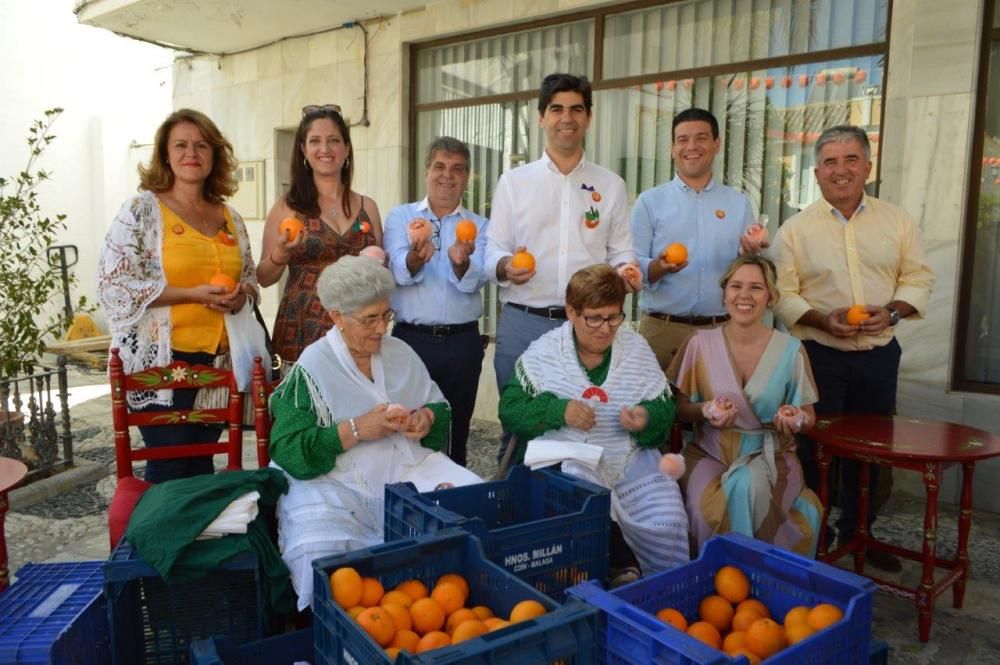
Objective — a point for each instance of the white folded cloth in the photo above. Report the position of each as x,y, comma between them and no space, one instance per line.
547,452
234,518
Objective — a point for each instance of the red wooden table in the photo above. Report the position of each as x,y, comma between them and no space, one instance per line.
919,445
11,473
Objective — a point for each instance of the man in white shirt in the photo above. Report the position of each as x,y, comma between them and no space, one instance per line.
569,213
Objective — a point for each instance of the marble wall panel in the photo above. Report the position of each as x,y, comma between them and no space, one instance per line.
294,55
321,85
246,66
322,49
386,85
294,95
901,41
269,61
269,111
349,91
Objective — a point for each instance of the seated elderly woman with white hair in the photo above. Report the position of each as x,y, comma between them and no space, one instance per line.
357,411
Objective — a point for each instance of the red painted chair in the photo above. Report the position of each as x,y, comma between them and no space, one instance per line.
173,376
260,390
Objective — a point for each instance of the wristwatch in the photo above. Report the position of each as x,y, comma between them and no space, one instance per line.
894,317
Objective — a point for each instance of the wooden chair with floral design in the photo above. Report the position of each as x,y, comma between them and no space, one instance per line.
176,375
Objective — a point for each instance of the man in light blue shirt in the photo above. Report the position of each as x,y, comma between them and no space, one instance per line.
438,302
707,217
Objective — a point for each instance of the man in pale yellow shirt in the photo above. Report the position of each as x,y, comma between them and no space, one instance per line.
850,249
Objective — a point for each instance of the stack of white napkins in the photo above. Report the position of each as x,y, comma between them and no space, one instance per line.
234,518
547,452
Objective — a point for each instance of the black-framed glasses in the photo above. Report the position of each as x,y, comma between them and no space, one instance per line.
436,233
613,321
371,322
316,108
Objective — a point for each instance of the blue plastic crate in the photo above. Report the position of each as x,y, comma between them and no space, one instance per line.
154,623
630,633
878,653
548,528
566,633
55,613
281,650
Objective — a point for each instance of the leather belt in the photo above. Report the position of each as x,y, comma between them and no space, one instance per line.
442,330
689,320
555,313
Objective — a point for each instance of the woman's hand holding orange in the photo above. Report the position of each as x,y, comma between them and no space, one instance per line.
634,419
719,413
789,419
419,424
579,415
282,251
233,301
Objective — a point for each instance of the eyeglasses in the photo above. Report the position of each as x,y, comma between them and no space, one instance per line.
371,322
316,108
613,321
436,233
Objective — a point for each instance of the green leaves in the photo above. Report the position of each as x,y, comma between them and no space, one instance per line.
29,284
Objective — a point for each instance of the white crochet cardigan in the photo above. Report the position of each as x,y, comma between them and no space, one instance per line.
130,277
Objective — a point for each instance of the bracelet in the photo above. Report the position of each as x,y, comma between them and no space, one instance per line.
270,257
354,430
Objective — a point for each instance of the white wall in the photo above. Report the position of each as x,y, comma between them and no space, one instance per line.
113,91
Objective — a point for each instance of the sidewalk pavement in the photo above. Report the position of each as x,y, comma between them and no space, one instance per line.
64,519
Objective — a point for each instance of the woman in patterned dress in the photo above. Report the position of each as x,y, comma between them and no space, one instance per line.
338,222
748,389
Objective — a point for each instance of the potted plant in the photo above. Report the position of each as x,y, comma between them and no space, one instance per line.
29,283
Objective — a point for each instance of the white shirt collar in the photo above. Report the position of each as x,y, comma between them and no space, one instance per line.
425,206
547,160
839,215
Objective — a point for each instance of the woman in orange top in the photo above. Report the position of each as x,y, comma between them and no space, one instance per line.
164,248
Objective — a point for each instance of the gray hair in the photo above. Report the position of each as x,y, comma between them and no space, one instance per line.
448,145
843,134
353,283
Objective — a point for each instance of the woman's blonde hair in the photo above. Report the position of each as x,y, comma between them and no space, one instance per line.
766,267
220,183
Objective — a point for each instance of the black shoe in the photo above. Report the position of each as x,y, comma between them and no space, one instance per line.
883,561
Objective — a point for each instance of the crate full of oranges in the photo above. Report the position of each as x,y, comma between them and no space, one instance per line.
438,599
742,601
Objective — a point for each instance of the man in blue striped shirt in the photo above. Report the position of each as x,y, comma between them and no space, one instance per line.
704,215
438,302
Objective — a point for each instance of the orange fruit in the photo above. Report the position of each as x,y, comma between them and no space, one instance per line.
433,640
449,596
732,584
457,618
392,652
415,589
457,580
427,615
824,615
346,587
798,632
676,253
673,617
526,609
468,630
405,639
290,228
765,637
796,615
223,280
378,623
856,314
496,623
466,231
400,616
717,611
753,603
743,618
523,260
749,655
396,598
355,611
482,612
371,592
706,632
734,640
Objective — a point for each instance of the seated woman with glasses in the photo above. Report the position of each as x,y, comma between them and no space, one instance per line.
592,381
337,222
357,411
748,389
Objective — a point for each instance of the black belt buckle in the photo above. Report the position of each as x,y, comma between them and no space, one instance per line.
440,331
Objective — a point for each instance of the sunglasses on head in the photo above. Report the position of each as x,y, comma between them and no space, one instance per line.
316,108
